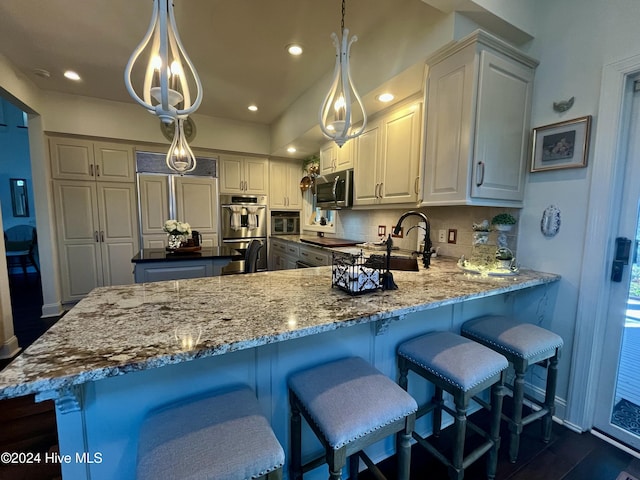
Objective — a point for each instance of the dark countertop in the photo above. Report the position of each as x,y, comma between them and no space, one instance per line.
161,255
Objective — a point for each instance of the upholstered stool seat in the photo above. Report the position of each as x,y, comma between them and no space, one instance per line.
220,436
349,405
524,345
462,368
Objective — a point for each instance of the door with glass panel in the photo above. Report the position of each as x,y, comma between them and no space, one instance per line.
617,410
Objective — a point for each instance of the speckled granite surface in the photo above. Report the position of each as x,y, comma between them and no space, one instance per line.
116,330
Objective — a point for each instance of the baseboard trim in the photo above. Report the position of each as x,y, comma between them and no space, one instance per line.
615,443
51,310
10,348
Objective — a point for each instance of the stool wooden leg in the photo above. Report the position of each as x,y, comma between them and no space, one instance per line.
354,466
404,448
550,398
295,466
497,397
275,475
460,425
438,402
515,425
336,459
403,372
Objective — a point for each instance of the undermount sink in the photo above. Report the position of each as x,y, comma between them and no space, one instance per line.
407,264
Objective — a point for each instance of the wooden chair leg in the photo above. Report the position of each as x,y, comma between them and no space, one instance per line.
336,459
438,402
295,466
497,398
515,425
404,449
354,466
550,398
460,425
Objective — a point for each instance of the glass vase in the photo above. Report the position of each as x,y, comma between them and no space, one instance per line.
175,241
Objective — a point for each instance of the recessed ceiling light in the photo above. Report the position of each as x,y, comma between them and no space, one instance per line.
291,150
253,108
385,97
71,75
294,49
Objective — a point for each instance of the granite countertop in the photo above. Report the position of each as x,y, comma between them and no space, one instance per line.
122,329
161,254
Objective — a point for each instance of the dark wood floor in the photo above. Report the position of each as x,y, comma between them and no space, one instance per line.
26,426
568,456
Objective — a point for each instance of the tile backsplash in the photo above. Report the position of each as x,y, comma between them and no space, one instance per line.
363,225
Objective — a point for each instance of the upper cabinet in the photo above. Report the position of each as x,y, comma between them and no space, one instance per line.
76,159
334,158
284,185
387,158
478,104
243,175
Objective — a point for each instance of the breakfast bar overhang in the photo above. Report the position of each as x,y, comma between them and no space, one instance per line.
123,351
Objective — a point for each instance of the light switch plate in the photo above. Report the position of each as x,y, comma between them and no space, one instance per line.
382,230
442,236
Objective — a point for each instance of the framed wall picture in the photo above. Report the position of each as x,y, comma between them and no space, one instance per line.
561,145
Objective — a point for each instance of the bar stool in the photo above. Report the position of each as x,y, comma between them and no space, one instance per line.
349,405
462,368
219,436
523,344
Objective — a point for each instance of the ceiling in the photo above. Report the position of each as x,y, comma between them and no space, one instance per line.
237,46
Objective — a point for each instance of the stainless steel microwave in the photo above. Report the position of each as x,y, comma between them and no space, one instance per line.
334,190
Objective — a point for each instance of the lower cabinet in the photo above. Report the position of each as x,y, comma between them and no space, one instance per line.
178,269
97,235
287,255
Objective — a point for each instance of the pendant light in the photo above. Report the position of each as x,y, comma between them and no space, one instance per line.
336,125
166,88
180,156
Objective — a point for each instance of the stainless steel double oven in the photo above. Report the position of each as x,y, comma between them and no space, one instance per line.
244,218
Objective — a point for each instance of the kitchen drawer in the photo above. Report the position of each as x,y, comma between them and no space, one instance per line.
314,256
292,249
279,247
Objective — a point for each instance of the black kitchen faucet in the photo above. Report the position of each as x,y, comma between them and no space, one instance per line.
426,251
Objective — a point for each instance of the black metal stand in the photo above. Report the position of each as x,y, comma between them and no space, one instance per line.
387,276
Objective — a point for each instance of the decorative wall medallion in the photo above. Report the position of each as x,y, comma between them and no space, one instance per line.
169,129
550,222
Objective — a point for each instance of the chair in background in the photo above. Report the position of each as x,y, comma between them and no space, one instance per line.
20,242
251,256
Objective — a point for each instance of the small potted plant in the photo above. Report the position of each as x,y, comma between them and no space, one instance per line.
503,222
504,256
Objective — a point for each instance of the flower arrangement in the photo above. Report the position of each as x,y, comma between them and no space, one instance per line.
174,227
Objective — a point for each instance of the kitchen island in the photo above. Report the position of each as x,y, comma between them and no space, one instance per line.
124,350
158,264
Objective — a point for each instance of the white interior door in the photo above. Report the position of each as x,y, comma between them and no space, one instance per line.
618,399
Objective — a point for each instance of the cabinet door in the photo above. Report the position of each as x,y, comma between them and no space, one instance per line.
154,209
502,134
450,89
344,155
118,231
78,238
401,155
278,184
294,195
197,204
328,158
113,162
231,174
367,168
71,159
256,175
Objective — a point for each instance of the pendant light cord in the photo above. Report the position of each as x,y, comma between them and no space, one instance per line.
342,22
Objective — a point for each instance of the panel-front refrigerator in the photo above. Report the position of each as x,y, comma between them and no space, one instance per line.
164,195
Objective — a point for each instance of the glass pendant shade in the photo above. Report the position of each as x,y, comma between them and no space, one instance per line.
168,72
180,157
335,112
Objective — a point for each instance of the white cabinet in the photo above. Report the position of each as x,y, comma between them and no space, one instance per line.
477,129
77,159
388,157
334,158
195,202
243,175
284,185
96,223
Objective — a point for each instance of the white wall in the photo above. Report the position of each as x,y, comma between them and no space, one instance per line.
574,40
